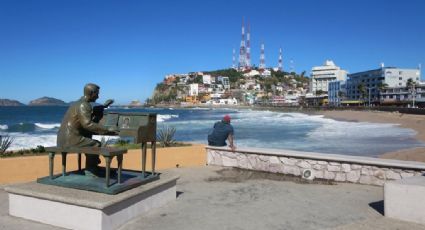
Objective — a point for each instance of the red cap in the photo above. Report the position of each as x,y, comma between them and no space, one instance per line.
226,118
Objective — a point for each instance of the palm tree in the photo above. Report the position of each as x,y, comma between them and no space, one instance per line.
410,85
382,86
341,94
319,92
362,90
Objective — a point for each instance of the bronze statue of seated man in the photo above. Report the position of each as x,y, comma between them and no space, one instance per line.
78,126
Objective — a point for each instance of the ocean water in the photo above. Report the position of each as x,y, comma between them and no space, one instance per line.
32,126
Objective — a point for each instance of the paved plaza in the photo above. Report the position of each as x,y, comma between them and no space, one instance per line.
224,198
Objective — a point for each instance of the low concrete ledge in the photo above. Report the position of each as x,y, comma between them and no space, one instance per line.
403,199
78,209
355,169
328,157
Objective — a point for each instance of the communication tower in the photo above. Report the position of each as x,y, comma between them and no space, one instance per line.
248,48
279,65
242,50
262,65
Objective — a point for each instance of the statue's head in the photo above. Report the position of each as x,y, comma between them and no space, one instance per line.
91,92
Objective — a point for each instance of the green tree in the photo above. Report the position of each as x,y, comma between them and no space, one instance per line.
362,91
341,94
232,74
410,83
382,86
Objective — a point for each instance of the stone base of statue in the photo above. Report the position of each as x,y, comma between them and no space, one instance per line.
80,209
79,180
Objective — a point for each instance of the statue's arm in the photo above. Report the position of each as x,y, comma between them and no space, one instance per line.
85,114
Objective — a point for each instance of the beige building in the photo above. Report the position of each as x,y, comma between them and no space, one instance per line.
322,75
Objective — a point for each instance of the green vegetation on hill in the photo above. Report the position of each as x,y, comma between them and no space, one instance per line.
233,74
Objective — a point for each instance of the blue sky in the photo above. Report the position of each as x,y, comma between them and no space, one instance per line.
53,47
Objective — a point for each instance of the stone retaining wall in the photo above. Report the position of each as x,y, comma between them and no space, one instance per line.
362,170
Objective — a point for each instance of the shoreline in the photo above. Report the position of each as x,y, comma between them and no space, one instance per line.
410,121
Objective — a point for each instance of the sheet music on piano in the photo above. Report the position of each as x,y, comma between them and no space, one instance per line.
137,127
111,120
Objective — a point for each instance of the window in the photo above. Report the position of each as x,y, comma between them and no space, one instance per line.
400,78
400,72
399,83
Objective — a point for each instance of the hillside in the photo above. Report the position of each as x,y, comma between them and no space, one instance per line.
47,101
8,102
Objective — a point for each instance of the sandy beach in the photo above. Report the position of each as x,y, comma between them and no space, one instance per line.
29,168
415,122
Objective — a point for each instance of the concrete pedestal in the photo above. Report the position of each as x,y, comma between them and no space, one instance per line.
77,209
404,199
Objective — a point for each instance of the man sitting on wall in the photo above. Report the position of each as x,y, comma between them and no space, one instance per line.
222,130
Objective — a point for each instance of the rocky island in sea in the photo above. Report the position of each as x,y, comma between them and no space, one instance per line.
47,101
8,102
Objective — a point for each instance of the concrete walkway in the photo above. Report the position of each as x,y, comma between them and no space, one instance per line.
223,198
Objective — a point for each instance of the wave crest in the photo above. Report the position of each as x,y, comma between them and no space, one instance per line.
164,117
48,126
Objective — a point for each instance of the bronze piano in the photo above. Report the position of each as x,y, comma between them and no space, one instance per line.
139,128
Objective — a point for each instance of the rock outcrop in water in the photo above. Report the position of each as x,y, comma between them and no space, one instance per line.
47,101
8,102
135,103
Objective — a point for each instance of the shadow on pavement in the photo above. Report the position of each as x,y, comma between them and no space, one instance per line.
378,206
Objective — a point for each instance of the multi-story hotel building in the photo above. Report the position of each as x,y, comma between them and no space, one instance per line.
322,75
336,92
373,80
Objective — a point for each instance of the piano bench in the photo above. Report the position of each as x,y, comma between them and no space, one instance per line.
107,153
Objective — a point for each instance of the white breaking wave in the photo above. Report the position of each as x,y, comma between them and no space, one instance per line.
164,117
26,141
4,127
341,129
48,126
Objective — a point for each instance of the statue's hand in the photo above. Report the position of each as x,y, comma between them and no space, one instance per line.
113,130
108,103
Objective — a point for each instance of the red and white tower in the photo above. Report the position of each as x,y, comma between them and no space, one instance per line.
262,65
242,50
248,49
234,59
279,65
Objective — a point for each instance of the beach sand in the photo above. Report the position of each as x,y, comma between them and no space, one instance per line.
29,168
415,122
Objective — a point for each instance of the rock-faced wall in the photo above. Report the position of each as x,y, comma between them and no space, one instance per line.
362,170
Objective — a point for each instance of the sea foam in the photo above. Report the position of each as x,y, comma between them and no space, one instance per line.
26,141
48,126
164,117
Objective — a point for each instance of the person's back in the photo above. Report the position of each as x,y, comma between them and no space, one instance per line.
219,134
222,130
71,133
